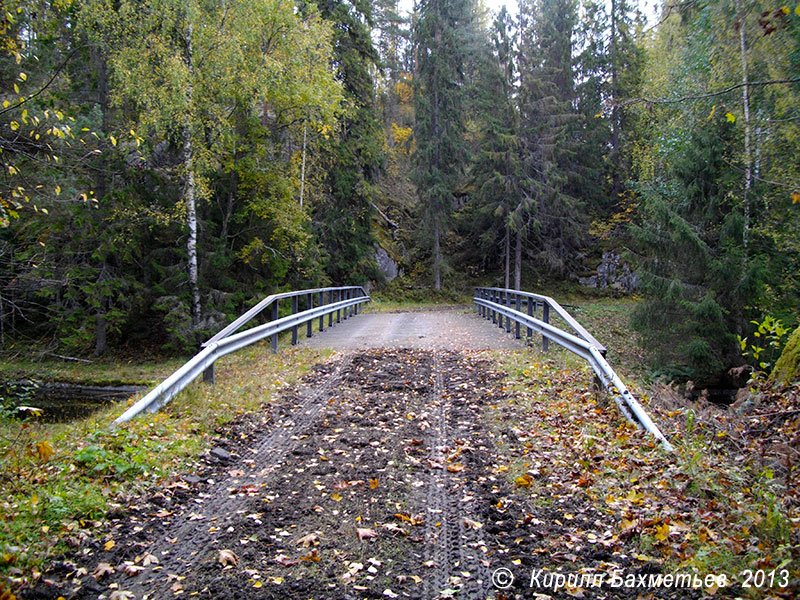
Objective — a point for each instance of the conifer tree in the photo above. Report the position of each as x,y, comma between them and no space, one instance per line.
441,40
545,99
343,221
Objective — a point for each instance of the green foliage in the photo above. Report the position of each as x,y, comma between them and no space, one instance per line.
769,337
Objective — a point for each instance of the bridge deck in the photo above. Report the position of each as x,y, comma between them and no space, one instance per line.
454,329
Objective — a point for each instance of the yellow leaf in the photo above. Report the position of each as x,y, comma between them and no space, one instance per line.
795,197
23,76
731,117
58,190
14,125
109,544
257,584
113,140
16,88
711,114
662,532
44,450
598,115
336,496
524,480
373,483
785,10
797,10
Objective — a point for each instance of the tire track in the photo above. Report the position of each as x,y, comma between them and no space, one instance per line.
453,538
189,540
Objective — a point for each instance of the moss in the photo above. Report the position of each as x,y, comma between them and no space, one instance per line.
787,369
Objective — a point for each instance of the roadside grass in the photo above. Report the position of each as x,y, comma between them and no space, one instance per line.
96,372
61,479
702,509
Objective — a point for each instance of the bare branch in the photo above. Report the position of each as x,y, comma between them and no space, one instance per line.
714,94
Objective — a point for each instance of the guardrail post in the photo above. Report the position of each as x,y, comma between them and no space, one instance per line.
274,317
493,298
310,324
500,300
516,323
330,315
508,319
546,319
322,318
295,310
208,375
531,305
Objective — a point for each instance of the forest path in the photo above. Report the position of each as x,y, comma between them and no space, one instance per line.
385,473
450,328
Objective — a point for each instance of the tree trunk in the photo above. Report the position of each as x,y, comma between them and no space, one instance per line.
518,261
748,160
189,191
616,185
303,167
437,258
507,256
102,187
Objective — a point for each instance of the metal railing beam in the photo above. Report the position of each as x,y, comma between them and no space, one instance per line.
583,345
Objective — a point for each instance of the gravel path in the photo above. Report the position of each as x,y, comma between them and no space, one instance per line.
453,329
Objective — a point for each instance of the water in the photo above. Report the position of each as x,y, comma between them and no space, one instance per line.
64,402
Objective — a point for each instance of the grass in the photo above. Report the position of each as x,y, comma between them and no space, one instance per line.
61,479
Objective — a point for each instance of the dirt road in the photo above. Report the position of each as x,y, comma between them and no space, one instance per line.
379,476
455,328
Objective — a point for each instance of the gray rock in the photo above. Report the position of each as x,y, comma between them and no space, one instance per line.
387,264
612,273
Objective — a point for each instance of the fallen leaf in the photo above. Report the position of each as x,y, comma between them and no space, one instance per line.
524,480
311,557
336,497
373,483
109,544
364,533
471,524
227,558
101,570
121,595
308,540
132,569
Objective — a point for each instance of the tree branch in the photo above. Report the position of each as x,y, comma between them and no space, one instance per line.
44,87
714,94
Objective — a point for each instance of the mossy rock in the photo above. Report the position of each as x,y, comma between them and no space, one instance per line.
787,369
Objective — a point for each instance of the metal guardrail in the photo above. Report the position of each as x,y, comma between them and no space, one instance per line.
495,304
343,301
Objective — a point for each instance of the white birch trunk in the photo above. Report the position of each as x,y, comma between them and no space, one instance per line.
189,190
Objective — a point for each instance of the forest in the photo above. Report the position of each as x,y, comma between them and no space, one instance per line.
166,163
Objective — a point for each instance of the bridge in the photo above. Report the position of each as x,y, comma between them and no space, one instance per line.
402,468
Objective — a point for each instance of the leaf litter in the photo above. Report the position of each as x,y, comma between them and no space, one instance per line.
405,474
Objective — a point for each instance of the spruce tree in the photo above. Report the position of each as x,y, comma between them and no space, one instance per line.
441,41
546,96
343,221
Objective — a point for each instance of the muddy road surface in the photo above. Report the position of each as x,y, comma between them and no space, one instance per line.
377,477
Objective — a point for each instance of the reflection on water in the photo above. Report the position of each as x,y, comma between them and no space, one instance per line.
61,402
